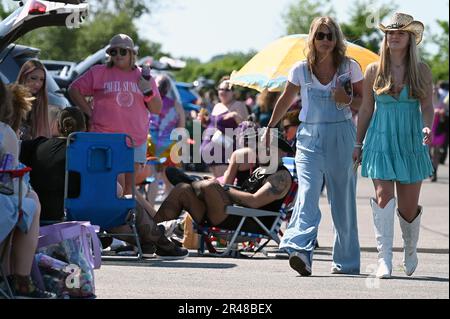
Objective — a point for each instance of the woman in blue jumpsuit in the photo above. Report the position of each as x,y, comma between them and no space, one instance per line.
325,141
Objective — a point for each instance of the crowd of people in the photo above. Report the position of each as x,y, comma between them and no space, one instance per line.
400,139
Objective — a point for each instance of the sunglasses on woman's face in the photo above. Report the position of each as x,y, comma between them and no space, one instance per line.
224,90
322,35
122,52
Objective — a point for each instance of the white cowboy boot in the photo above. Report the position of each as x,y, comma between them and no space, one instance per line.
410,234
383,220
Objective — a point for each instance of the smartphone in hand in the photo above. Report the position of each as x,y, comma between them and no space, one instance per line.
345,80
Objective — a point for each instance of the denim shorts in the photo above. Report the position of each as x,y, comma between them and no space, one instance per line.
140,153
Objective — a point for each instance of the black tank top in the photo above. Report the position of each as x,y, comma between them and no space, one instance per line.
257,180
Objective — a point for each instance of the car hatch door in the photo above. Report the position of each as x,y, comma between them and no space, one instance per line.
37,14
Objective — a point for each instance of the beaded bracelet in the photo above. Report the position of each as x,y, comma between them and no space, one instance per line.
342,106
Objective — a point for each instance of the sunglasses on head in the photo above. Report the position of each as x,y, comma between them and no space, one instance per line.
122,52
322,35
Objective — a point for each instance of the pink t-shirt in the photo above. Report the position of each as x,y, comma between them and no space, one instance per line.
118,103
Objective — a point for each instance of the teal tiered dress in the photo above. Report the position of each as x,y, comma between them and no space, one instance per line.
393,148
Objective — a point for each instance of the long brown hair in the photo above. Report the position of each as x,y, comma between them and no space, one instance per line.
38,117
340,47
384,83
22,102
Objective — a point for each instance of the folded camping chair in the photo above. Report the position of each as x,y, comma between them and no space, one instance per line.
6,243
99,158
234,237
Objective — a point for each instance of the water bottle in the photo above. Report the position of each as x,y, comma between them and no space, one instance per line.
145,72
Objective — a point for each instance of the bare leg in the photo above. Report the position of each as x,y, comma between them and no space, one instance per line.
24,245
408,199
146,204
182,197
216,200
384,191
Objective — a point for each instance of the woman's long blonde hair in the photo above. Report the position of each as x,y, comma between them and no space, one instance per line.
340,47
38,116
384,83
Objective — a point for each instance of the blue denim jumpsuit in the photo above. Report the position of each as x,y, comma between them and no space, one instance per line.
325,142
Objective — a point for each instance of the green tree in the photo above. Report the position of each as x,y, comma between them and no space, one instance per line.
106,18
300,14
439,61
215,69
362,27
133,8
5,10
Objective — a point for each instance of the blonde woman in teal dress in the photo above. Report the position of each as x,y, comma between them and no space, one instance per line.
397,114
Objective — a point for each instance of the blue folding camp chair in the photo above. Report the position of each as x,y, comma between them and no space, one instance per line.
99,158
236,236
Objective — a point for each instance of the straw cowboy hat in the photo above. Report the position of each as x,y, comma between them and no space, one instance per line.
404,22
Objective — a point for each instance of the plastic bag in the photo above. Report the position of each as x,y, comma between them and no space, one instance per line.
67,255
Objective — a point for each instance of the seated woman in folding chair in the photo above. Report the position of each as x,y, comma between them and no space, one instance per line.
243,160
24,224
206,200
47,158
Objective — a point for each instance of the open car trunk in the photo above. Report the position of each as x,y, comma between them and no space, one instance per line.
36,14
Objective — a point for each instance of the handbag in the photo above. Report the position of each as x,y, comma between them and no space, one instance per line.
67,255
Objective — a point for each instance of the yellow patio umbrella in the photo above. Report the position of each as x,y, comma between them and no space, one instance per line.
269,68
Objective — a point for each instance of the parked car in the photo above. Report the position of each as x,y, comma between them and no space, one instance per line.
29,16
65,79
36,14
100,57
58,68
12,59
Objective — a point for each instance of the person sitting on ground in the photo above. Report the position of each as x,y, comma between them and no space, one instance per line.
206,200
47,158
26,222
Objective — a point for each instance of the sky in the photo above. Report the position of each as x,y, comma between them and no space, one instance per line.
205,28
